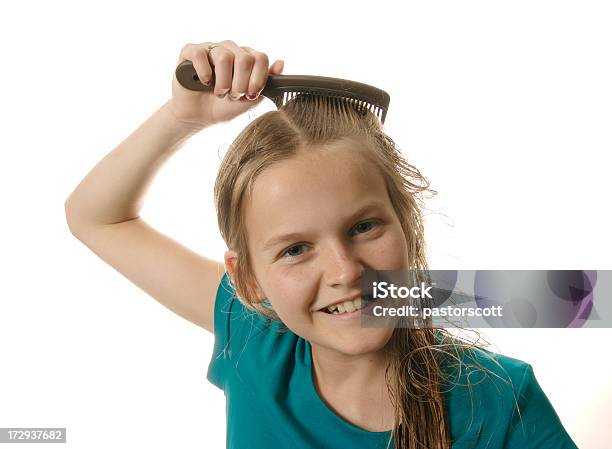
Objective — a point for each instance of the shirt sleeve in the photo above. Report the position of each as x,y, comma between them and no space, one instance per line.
225,302
234,326
535,424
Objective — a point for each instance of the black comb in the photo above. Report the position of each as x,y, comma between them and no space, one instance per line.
283,88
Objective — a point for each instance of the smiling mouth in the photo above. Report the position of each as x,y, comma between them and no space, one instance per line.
365,301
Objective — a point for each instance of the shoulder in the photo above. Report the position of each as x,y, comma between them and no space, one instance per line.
483,366
485,378
465,364
496,398
237,322
246,342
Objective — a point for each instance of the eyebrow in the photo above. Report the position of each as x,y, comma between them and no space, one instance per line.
296,235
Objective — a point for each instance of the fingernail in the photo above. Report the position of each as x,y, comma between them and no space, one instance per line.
251,96
221,95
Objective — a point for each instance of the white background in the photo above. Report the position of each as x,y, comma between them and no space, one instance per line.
505,107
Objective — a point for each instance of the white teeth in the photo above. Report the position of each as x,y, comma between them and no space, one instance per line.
347,306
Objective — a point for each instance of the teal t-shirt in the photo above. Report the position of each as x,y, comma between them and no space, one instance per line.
271,400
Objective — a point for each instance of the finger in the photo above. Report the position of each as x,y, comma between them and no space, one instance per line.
243,65
197,54
259,73
275,69
223,60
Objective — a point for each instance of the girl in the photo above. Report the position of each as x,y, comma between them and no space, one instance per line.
307,198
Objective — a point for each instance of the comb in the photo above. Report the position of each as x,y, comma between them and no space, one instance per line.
283,88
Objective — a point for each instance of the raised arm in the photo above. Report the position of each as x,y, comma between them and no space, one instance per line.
103,210
103,213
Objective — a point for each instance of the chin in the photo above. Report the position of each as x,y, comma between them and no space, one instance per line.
369,340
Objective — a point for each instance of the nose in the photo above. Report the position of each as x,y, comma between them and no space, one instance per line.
342,266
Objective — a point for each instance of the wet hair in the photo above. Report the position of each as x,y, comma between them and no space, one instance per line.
309,123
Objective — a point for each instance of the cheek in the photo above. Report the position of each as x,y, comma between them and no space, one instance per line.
293,312
290,297
390,251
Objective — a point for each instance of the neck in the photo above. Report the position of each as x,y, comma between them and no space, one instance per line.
354,387
355,372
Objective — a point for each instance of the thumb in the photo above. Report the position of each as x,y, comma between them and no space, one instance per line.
277,67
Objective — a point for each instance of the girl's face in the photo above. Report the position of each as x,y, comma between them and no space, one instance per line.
315,223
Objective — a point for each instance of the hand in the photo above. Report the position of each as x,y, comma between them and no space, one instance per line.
239,72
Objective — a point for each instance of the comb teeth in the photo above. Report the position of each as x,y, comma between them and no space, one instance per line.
360,105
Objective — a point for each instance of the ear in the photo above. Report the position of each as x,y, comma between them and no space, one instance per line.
231,258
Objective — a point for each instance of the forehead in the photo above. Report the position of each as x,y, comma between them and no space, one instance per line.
316,187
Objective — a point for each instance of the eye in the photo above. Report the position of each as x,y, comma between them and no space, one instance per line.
364,225
288,251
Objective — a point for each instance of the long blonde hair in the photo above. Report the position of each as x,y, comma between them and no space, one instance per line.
414,375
